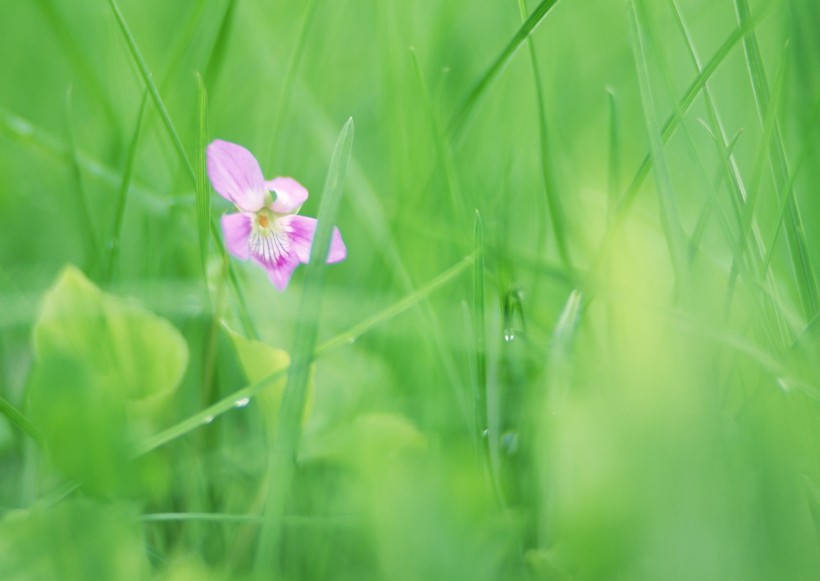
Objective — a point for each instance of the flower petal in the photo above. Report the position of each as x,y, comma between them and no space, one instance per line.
235,175
290,195
236,228
302,230
280,270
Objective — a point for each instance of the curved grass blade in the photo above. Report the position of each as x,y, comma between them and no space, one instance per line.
206,416
152,89
86,223
290,75
203,203
682,108
172,132
286,439
467,106
556,208
122,196
217,56
795,232
19,420
675,237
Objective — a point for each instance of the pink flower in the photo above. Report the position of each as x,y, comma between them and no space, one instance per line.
265,228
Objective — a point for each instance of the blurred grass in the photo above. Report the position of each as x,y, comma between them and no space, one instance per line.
632,430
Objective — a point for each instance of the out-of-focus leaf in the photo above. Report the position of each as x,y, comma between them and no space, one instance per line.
103,368
72,540
132,351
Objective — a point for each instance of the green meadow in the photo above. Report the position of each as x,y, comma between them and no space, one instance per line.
576,334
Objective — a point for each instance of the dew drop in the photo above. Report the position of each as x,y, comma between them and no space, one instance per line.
509,442
240,403
208,419
509,335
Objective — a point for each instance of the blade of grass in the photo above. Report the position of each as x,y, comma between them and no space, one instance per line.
206,416
24,132
480,338
795,232
136,54
558,217
86,223
442,146
203,202
742,203
290,74
122,196
675,237
694,89
78,59
559,356
19,420
286,439
614,173
469,103
172,132
220,47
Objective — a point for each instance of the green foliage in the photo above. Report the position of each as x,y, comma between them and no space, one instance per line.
575,336
104,368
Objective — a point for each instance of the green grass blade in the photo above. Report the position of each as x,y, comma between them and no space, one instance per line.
694,89
202,192
675,237
220,47
558,216
122,196
559,358
469,103
795,232
78,59
286,439
614,173
288,79
445,158
206,416
82,202
480,338
136,54
18,419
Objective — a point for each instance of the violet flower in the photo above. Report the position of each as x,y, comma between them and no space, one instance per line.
265,229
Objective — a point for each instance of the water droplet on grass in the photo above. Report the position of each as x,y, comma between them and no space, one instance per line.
509,335
208,419
240,403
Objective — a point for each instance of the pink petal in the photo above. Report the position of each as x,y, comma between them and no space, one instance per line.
236,228
290,195
302,230
280,270
236,176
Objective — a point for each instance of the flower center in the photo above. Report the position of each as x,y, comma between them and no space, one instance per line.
269,240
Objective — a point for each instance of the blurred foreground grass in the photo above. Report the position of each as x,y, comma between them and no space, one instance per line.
576,335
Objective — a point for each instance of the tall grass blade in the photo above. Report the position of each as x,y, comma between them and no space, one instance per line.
283,453
18,419
202,192
673,231
682,108
217,56
445,158
614,173
290,75
795,232
114,243
480,338
558,218
206,416
136,54
89,233
469,103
